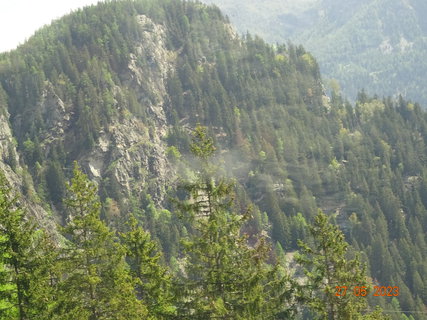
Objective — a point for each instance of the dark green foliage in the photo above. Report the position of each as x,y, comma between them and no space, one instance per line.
290,148
326,266
379,46
55,181
224,276
153,283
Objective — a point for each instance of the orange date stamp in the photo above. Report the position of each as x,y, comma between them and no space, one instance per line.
362,291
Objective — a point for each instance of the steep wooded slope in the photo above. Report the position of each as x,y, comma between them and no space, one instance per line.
378,45
119,86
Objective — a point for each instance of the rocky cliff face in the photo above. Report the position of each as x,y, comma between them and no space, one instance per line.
130,151
8,156
16,175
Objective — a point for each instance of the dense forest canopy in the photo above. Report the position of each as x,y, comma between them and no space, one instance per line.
378,45
120,87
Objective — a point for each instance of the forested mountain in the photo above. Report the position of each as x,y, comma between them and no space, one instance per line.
120,88
378,45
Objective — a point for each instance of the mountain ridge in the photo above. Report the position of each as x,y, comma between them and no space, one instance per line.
119,87
376,45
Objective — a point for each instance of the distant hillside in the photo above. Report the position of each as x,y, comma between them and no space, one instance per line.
376,45
120,86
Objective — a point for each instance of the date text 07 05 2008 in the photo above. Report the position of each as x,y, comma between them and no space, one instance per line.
362,291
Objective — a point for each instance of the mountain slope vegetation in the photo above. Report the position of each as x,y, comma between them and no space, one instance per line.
376,45
120,87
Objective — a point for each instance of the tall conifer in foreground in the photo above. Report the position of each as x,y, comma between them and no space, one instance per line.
332,277
96,283
24,262
224,277
153,283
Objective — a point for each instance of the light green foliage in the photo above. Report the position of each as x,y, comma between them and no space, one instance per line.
308,58
280,58
8,297
25,262
368,109
96,283
202,146
173,154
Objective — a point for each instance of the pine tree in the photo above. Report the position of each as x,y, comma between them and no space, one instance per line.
11,240
225,277
153,283
55,181
96,283
332,278
25,292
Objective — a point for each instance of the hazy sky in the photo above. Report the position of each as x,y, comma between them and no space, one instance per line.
20,18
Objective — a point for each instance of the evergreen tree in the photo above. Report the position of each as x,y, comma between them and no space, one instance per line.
336,286
96,283
224,276
153,283
24,262
55,181
282,129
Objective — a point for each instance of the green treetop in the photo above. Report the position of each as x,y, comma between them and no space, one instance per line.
224,276
25,262
153,283
336,286
97,283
